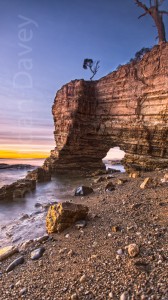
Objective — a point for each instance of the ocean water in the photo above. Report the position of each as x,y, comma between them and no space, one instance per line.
23,219
7,176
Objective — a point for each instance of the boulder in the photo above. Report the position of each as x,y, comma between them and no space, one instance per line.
17,189
40,174
63,215
83,191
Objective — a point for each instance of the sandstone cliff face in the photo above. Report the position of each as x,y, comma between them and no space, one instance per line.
127,108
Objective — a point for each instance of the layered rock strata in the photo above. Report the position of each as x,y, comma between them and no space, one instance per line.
127,108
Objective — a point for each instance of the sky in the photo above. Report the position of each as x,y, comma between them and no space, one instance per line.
42,46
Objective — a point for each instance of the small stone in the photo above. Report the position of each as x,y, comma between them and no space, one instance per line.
134,174
42,238
115,228
63,250
119,251
110,187
124,296
71,253
94,244
15,263
145,183
36,254
80,224
83,278
23,291
118,257
18,283
133,250
67,235
74,297
83,191
93,256
24,217
11,286
109,235
110,295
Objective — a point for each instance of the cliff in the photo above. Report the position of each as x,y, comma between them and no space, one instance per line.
127,108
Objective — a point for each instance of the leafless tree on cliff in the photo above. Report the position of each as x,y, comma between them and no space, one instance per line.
157,15
93,66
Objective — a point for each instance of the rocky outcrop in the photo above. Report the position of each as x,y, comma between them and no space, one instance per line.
17,189
40,174
127,108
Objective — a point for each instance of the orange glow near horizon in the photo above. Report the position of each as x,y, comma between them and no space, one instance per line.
7,154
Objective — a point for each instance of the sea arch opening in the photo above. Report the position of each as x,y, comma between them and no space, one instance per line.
113,159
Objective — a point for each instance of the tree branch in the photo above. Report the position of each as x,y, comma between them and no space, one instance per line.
143,15
139,3
163,12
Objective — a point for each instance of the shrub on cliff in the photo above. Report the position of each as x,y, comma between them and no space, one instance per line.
93,66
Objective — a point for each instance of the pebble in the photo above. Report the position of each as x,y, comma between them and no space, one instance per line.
74,297
71,253
11,286
63,250
15,263
133,250
67,236
124,296
83,278
111,295
36,254
119,251
80,224
23,291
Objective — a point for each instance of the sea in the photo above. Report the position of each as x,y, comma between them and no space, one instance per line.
24,219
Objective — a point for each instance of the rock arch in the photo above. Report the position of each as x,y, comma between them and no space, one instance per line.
127,108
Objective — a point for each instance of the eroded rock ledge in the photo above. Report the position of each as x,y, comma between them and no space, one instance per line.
127,108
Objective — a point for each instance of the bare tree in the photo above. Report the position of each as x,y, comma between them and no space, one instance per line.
157,15
93,66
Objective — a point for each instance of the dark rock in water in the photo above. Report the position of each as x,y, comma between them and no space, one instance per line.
24,217
41,174
110,187
15,263
83,191
17,189
37,204
36,254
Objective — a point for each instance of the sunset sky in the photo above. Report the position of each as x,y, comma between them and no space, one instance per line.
43,45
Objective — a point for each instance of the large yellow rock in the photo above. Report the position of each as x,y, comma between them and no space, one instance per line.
63,215
7,251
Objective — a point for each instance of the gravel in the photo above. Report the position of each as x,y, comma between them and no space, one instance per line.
95,271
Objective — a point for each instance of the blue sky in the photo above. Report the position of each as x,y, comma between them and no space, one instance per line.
43,45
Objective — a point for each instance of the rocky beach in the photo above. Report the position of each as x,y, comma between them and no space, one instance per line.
119,252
